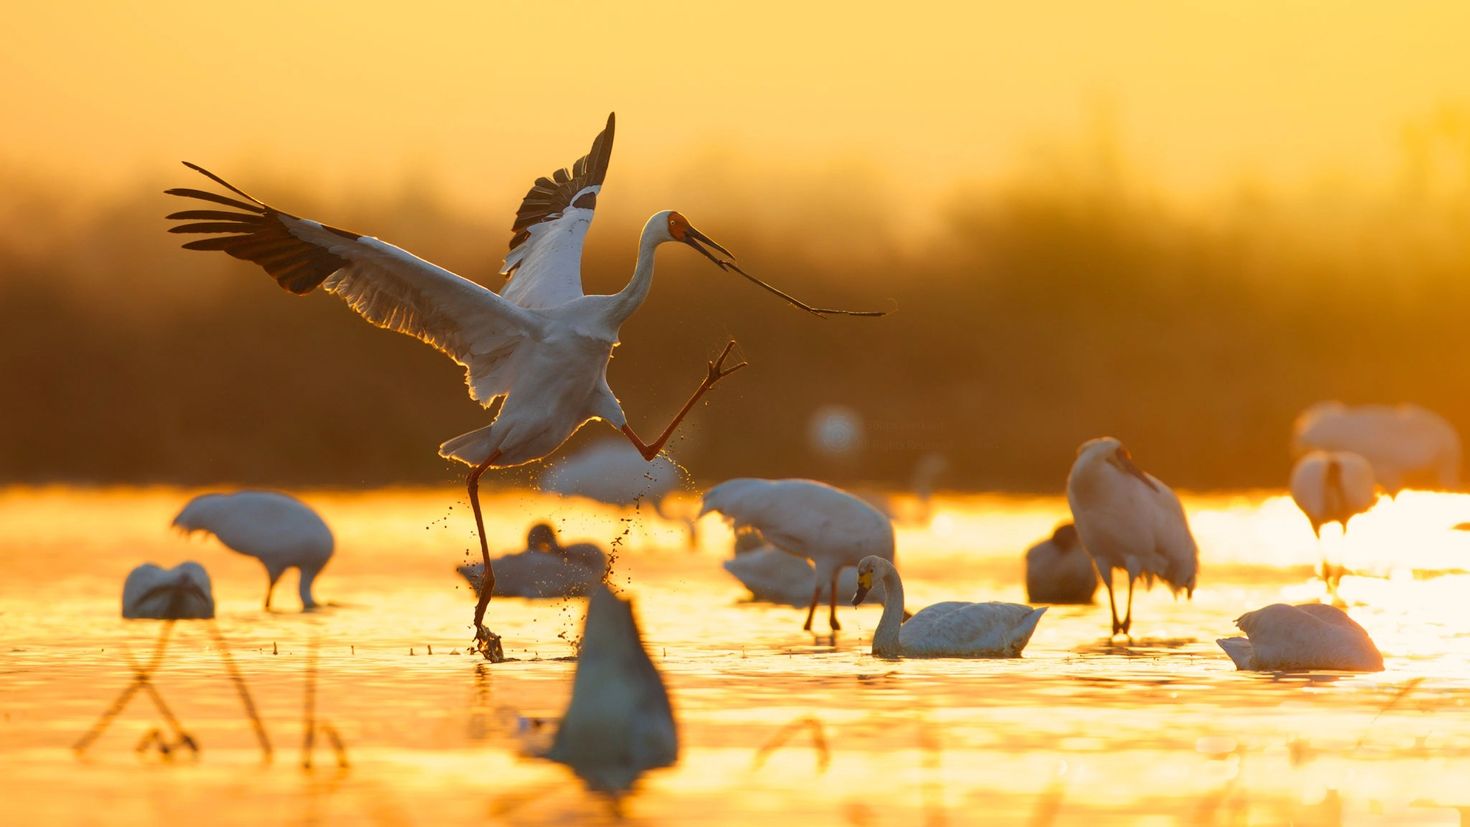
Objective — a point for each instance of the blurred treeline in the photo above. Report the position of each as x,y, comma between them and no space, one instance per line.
1063,302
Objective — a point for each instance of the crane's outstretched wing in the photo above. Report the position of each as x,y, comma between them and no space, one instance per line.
544,265
388,286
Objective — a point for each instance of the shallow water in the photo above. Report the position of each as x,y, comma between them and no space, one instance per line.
775,725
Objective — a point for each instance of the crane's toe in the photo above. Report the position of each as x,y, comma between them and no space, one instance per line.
487,643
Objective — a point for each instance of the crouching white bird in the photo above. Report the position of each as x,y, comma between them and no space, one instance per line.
545,569
620,722
830,527
944,630
277,529
179,593
1058,570
1309,636
540,348
1129,520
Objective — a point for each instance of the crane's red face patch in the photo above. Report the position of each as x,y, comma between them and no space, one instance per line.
678,227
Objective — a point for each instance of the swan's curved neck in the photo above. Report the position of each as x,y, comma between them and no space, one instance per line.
631,297
885,638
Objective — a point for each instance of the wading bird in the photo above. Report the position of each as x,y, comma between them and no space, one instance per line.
1332,487
1406,444
944,630
1129,520
1310,636
277,529
826,525
540,348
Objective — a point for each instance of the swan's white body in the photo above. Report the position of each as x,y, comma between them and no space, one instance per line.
944,630
277,529
179,593
774,576
1129,520
544,569
1405,444
1332,487
828,526
1310,636
620,722
1058,570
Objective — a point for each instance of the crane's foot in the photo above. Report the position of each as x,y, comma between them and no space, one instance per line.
487,643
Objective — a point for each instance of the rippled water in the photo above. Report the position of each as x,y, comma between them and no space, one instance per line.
775,725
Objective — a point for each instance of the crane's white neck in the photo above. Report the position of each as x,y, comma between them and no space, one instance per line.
886,639
631,297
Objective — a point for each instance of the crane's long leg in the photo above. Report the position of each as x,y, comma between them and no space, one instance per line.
717,371
487,642
1107,580
1128,618
811,610
832,615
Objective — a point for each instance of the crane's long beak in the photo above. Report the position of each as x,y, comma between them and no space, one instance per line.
696,239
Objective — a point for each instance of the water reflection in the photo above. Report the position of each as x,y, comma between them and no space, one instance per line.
1073,732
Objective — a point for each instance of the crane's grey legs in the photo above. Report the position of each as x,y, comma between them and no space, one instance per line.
832,615
487,643
1128,618
811,610
717,371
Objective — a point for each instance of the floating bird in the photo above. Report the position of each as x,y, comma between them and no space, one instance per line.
1310,636
619,723
544,569
1405,444
1129,520
828,526
774,576
1058,570
614,472
179,593
277,529
1332,487
540,348
944,630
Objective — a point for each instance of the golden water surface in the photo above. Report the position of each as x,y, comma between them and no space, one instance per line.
775,727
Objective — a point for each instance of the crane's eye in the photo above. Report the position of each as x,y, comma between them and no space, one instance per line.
677,225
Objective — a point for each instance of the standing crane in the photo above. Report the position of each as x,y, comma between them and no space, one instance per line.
539,348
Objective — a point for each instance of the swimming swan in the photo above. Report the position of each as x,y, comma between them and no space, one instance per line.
1310,636
944,630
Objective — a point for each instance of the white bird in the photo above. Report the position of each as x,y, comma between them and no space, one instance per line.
179,593
944,630
1405,444
619,722
614,472
540,348
1058,570
277,529
1129,520
1332,487
774,576
828,526
544,569
1309,636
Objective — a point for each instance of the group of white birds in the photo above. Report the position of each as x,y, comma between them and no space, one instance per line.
537,353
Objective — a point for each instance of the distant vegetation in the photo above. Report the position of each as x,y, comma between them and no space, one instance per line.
1062,305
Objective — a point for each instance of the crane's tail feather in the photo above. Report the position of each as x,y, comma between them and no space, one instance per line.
470,448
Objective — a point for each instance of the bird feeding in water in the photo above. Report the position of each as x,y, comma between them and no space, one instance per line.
539,348
1332,487
1308,636
277,529
180,593
1129,520
951,629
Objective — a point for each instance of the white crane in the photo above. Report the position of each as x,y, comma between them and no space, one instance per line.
277,529
1405,444
540,348
1332,487
951,629
826,525
179,593
1309,636
1129,520
614,472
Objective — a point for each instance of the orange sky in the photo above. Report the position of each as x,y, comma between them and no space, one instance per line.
481,97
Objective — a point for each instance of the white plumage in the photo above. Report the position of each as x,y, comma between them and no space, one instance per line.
1332,487
277,529
620,722
1127,519
1309,636
828,526
1405,444
180,593
545,569
1058,570
774,576
613,472
944,630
